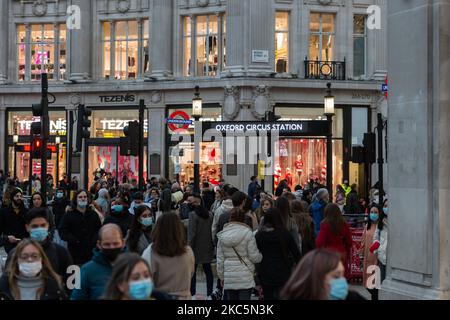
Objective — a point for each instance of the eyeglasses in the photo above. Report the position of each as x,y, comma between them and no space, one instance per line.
32,257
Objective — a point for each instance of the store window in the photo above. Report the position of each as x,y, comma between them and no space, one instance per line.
181,154
322,35
204,42
110,124
41,48
301,159
359,45
125,49
19,122
108,158
282,42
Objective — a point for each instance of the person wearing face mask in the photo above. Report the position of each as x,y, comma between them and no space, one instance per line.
319,276
131,279
79,228
103,201
30,276
12,222
96,273
370,258
138,199
37,224
380,239
139,234
60,203
200,240
119,215
37,201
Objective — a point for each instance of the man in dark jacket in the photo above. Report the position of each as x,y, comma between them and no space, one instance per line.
352,206
37,224
119,215
208,196
253,186
79,228
96,273
166,196
59,206
12,222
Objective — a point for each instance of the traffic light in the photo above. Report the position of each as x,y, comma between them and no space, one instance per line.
369,143
36,150
358,154
129,145
83,125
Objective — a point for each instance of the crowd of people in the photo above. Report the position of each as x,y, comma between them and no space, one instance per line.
133,244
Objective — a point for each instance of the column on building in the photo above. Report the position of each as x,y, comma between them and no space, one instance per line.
4,11
161,48
156,139
3,133
381,43
81,44
418,256
249,27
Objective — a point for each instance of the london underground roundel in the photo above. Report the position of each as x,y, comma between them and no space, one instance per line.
179,120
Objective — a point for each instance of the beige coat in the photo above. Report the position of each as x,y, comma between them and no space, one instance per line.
369,258
172,275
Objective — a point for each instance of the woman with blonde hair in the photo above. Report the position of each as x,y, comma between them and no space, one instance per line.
30,276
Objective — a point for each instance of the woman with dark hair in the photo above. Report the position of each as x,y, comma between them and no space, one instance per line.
283,205
265,204
139,234
305,226
237,253
319,276
171,260
200,240
30,276
279,251
380,239
131,279
79,228
334,232
370,258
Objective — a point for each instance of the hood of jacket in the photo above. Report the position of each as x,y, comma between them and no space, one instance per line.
226,205
233,234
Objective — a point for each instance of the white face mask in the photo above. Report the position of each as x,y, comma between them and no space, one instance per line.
30,269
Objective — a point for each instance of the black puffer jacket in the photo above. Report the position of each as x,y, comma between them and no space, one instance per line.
12,224
123,220
276,265
52,290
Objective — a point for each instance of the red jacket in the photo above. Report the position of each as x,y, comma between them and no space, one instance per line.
341,242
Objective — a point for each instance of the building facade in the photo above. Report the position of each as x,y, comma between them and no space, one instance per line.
248,57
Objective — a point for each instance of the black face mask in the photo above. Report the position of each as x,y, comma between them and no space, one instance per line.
111,254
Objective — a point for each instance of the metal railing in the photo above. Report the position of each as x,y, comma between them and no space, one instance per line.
325,70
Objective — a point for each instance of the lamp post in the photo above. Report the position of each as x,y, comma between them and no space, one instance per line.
57,142
197,105
15,141
329,113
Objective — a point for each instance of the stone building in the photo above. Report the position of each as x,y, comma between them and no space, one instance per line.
247,56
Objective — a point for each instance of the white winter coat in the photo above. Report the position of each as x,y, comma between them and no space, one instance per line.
236,274
382,236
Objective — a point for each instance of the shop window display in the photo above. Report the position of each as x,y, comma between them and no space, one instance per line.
300,160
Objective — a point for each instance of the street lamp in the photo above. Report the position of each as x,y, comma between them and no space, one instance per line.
197,106
329,113
57,142
15,141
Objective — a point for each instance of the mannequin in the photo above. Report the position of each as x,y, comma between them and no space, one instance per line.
299,168
288,177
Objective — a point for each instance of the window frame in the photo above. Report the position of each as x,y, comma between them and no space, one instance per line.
321,34
143,37
365,37
283,32
56,44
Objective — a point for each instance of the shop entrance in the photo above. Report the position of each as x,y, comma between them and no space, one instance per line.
104,159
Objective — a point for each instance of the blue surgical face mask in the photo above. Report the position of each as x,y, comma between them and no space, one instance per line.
386,210
373,216
117,208
140,290
82,204
338,289
147,222
39,234
59,195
